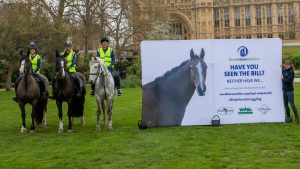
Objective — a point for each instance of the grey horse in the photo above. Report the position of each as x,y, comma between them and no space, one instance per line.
105,91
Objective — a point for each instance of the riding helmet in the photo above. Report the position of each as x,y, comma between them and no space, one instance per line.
32,45
105,38
68,43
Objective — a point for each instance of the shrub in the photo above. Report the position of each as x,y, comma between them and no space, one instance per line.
131,83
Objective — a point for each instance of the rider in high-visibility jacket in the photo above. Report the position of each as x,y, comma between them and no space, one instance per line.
71,59
107,55
36,62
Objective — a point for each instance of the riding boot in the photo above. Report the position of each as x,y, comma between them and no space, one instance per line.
17,82
118,84
77,84
92,90
42,87
53,95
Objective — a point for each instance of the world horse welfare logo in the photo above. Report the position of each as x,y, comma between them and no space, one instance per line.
245,110
225,111
243,55
264,109
243,51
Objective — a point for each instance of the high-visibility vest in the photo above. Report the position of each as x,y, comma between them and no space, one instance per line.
106,56
69,59
34,62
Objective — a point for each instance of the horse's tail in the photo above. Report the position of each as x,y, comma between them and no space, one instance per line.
40,111
78,104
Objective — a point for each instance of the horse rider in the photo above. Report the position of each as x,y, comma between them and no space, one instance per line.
71,59
107,55
36,62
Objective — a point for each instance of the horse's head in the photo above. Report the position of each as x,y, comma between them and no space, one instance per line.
198,71
25,67
60,66
97,69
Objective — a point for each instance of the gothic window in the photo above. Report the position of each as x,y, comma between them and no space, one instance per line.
248,16
258,15
217,18
259,36
179,29
291,13
270,35
281,36
269,15
226,17
237,17
280,14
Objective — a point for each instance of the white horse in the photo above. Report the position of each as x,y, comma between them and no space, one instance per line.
104,91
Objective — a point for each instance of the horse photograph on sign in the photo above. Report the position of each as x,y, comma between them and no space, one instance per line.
165,99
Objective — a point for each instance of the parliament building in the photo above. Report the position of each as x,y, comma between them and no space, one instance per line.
228,19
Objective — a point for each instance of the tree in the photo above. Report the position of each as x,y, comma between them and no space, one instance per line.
84,14
20,23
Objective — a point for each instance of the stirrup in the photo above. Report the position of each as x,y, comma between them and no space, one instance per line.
52,97
15,99
119,92
43,95
92,93
78,94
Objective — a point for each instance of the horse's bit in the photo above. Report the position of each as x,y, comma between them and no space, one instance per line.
99,75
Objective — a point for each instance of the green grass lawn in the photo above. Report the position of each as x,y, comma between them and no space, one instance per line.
272,145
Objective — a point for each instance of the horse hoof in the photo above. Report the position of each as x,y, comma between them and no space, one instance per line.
110,128
23,130
82,124
98,129
32,131
70,130
60,131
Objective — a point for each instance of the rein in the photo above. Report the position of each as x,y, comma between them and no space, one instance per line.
99,75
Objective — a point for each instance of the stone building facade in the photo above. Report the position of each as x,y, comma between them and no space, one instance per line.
229,19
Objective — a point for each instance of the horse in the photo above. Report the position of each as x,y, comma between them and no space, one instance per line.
64,91
104,91
28,91
165,99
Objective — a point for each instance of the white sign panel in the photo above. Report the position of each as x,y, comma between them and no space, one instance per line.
188,82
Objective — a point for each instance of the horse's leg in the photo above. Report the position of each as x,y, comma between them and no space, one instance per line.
44,122
82,122
33,115
109,113
23,114
70,117
104,112
98,113
61,124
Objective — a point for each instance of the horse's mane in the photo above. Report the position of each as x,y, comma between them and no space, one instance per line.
170,72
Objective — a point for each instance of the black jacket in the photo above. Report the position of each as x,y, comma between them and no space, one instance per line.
288,79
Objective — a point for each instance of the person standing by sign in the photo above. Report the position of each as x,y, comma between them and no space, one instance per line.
287,78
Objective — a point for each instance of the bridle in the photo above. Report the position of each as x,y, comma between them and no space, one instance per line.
98,75
61,67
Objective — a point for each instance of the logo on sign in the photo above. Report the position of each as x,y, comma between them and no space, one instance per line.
264,109
243,51
225,111
245,110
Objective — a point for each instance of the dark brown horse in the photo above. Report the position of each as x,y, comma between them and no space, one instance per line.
166,98
28,91
64,90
